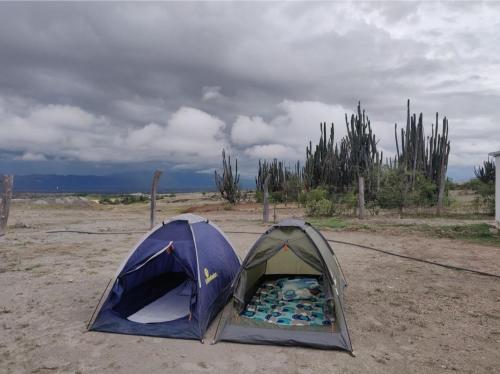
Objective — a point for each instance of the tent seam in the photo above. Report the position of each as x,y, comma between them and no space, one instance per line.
196,252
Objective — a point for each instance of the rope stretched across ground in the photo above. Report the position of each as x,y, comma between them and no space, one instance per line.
446,266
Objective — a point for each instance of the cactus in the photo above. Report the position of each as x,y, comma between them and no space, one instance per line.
281,178
327,164
363,154
486,173
228,183
425,155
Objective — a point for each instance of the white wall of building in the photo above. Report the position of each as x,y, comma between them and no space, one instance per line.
497,189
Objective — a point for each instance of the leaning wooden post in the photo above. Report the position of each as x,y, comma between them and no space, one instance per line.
7,182
445,151
154,186
265,215
361,197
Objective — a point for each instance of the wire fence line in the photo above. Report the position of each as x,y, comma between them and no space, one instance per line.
382,251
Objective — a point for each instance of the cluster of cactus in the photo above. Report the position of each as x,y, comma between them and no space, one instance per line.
486,173
418,154
328,163
228,183
355,163
281,177
364,157
337,165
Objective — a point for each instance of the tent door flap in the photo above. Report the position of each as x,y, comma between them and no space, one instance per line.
149,259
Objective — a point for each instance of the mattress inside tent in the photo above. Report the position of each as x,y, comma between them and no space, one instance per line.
271,304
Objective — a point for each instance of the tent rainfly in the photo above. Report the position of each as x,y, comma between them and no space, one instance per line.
173,283
289,291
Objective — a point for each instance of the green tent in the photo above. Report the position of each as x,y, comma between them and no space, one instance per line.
291,251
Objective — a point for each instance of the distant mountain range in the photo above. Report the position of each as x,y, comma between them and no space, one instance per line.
178,181
140,181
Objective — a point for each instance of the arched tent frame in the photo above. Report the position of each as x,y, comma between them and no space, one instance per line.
210,249
274,240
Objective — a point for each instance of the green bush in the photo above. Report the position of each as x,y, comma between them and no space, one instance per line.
474,184
391,193
123,199
107,200
279,196
259,196
317,194
395,191
316,202
319,202
344,203
425,192
319,208
486,198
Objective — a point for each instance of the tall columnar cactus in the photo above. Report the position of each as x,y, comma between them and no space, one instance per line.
327,164
281,178
363,155
228,183
416,153
442,151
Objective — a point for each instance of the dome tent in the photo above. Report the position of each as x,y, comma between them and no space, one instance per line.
290,252
173,283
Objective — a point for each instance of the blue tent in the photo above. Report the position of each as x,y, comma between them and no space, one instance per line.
173,283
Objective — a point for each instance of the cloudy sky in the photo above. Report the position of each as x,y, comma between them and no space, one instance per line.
110,87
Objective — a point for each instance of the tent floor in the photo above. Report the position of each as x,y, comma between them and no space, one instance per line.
173,305
147,293
266,309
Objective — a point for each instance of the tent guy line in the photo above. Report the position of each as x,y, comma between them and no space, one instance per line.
446,266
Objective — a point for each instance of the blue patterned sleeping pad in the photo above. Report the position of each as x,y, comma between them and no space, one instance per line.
289,302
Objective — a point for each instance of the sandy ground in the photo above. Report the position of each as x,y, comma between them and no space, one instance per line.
404,316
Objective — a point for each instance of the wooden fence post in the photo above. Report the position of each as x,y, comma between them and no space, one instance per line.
265,214
7,182
361,197
154,186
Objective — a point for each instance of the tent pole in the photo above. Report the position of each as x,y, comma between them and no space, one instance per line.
218,324
97,305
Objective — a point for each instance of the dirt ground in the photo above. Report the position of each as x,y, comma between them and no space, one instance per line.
403,316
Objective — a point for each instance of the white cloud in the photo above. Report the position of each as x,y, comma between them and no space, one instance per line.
271,151
300,121
211,93
251,130
59,130
32,157
189,136
312,66
287,134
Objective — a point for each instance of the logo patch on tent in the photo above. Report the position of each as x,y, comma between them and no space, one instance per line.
209,277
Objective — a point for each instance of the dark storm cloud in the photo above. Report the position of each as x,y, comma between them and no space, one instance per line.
106,82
